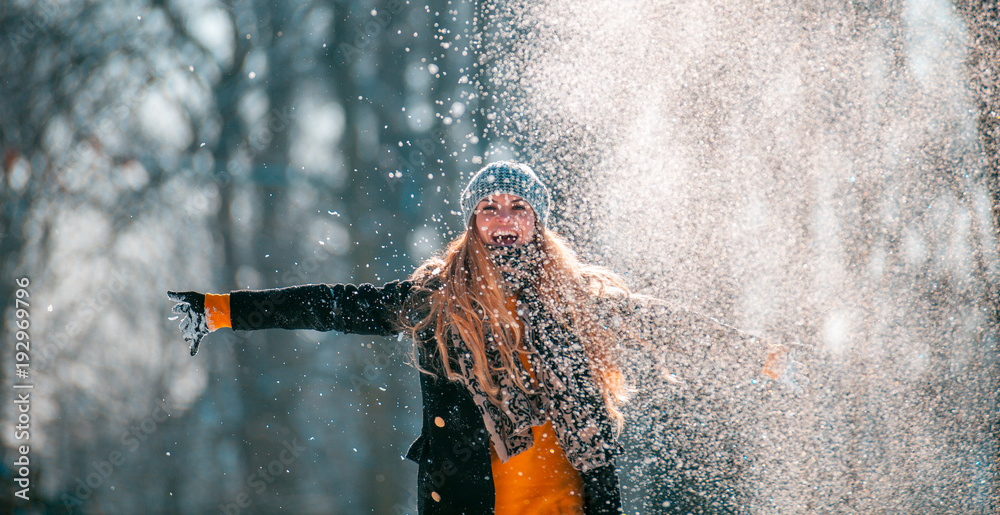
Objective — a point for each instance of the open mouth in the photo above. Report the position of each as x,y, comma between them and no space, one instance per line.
505,238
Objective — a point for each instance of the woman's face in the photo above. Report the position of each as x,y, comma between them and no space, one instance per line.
504,220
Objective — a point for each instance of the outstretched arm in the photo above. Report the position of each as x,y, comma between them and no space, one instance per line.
363,309
658,326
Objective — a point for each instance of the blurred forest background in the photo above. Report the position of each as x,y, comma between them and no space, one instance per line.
216,145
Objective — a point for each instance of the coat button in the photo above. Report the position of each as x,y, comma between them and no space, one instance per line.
438,421
436,496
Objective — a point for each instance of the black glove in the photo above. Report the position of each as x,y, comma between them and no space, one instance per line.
194,325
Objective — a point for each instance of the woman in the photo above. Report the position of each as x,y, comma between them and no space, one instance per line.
520,392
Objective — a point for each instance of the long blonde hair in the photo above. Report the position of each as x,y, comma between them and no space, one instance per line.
472,304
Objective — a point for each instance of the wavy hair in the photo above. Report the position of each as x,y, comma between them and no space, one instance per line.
469,302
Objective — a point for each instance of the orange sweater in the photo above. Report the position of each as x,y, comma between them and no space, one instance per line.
540,480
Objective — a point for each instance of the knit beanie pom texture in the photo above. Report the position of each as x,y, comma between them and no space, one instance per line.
507,177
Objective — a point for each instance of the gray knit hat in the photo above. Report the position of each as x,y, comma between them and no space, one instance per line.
511,178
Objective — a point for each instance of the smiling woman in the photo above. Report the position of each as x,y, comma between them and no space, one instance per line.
520,394
521,390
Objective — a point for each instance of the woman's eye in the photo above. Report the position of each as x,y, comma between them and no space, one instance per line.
519,207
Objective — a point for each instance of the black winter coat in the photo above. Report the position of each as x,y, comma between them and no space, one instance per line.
455,472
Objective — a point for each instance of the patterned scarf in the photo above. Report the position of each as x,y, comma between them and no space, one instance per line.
567,394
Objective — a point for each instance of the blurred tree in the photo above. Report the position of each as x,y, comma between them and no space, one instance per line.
88,180
216,145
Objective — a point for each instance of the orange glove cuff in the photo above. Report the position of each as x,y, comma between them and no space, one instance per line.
217,311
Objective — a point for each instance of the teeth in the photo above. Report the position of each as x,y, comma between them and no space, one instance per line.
505,236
